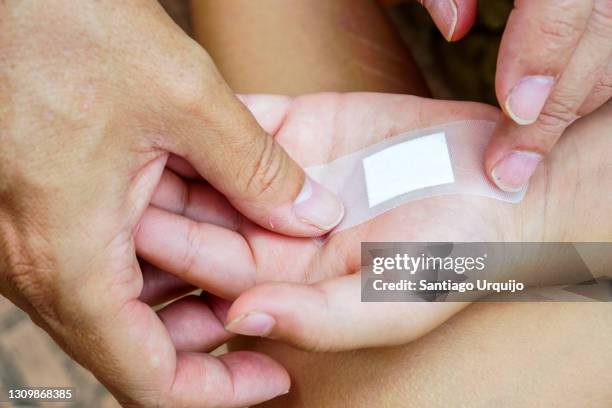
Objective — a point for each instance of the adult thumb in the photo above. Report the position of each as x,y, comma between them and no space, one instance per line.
227,146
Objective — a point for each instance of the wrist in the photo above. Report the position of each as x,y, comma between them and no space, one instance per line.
579,187
570,195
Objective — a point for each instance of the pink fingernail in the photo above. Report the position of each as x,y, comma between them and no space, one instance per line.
315,205
252,324
528,97
444,15
513,172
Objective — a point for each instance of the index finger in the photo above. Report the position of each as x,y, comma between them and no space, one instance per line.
538,43
516,150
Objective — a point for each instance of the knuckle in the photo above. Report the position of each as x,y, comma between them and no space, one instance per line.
266,170
561,23
318,337
604,86
307,337
186,92
601,94
555,117
190,259
312,343
33,278
560,29
29,280
188,86
601,19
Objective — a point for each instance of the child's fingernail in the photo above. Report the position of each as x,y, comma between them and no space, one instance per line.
315,205
512,173
252,324
444,15
528,97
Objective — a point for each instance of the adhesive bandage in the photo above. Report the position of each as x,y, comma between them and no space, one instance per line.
441,160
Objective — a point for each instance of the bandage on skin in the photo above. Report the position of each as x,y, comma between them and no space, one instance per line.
436,161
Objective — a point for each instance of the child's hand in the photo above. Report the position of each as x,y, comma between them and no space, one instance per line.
195,235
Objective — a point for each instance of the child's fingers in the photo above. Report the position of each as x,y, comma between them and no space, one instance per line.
197,253
193,325
330,316
159,286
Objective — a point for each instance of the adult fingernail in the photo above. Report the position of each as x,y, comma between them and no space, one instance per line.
513,172
315,205
252,324
528,97
444,15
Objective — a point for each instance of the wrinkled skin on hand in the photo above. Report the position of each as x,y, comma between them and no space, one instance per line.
554,66
94,98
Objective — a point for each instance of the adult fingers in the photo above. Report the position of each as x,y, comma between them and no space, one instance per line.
330,316
552,90
133,347
246,164
537,45
454,18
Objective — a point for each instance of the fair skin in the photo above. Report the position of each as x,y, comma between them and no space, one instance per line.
513,355
554,66
197,243
96,97
69,188
489,353
322,309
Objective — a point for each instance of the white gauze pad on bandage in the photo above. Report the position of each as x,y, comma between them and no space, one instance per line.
441,160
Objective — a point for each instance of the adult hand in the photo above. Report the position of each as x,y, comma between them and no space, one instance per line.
94,97
554,66
454,18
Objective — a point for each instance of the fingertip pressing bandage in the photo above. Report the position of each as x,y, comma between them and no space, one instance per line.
441,160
